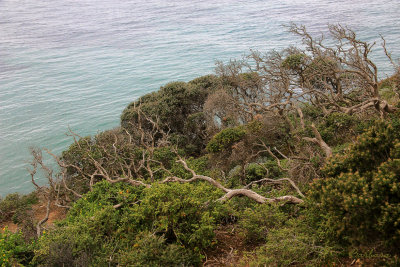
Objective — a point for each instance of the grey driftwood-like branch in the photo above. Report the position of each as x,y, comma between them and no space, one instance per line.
230,193
319,141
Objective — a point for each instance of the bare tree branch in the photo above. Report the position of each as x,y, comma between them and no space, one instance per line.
41,222
319,141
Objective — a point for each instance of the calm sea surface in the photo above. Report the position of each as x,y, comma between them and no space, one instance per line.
78,63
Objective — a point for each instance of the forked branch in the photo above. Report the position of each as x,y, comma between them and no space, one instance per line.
230,193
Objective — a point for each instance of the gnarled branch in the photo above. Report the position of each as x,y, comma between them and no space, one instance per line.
319,141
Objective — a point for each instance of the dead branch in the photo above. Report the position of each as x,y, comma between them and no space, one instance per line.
41,222
319,141
301,116
276,181
230,193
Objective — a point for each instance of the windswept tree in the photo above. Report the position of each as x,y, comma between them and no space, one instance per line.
334,73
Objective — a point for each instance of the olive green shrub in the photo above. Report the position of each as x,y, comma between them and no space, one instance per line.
360,198
14,251
291,244
225,139
257,222
178,106
337,128
118,223
150,249
15,206
177,211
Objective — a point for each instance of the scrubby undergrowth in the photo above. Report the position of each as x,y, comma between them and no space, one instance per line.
235,169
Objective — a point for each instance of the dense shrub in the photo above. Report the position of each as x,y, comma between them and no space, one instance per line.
154,225
179,107
295,62
257,222
90,233
337,128
225,139
361,195
257,171
290,245
153,250
15,206
14,251
177,211
254,172
111,148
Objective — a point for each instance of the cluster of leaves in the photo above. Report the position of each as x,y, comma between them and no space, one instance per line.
158,225
14,206
14,250
225,139
179,107
390,88
291,244
337,127
361,194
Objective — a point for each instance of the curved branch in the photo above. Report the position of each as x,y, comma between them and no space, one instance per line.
258,198
319,141
39,225
277,181
230,193
194,178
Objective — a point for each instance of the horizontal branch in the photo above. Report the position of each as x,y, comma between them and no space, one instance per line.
276,181
230,193
258,198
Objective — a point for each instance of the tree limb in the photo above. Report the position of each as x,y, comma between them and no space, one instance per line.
319,141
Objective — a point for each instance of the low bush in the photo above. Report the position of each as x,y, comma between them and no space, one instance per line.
14,251
225,139
256,223
153,250
177,211
360,198
15,206
290,245
172,218
337,128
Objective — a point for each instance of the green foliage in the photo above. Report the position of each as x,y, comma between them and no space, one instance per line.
87,238
178,212
311,112
372,148
103,195
15,206
225,139
91,232
389,88
152,250
179,107
321,70
290,245
361,195
254,172
200,165
294,62
153,226
257,222
337,127
14,250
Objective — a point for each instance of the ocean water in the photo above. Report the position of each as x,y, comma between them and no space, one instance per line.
78,63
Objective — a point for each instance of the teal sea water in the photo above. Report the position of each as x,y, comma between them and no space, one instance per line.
78,63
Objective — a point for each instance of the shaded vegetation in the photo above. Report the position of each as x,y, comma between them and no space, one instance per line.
293,154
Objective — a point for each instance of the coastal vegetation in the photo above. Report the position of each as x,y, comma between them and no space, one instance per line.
287,158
